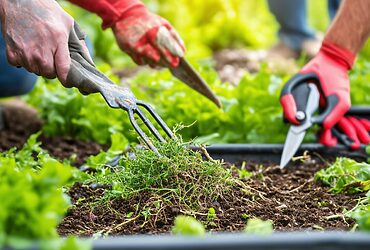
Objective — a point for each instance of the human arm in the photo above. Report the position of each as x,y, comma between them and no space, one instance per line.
342,42
36,34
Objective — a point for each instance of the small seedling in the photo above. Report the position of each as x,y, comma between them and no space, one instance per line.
243,173
260,227
129,215
189,226
211,216
245,217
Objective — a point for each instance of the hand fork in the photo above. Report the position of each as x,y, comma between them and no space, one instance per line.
88,79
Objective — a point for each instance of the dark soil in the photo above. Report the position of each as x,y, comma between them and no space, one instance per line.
290,198
64,148
21,122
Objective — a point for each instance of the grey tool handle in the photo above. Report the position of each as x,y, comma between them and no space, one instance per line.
83,74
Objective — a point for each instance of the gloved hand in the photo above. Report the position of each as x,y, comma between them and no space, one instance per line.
146,37
36,34
330,66
356,129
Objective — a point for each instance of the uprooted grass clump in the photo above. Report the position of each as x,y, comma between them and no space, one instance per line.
145,192
179,175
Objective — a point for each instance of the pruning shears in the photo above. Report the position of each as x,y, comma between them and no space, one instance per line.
307,100
88,79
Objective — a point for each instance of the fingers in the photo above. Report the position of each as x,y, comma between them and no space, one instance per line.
38,62
170,59
338,111
43,65
355,129
290,108
146,51
177,38
152,41
169,46
12,57
327,138
150,53
361,131
365,123
136,57
349,129
62,63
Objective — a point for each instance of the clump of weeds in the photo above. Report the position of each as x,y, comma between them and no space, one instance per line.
157,188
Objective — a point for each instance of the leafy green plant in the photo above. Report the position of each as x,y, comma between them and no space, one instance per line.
258,226
67,112
250,113
346,175
361,213
189,226
359,77
32,199
118,145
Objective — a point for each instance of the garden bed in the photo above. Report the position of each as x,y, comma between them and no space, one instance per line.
291,198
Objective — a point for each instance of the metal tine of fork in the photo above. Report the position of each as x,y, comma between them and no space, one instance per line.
141,133
157,118
150,125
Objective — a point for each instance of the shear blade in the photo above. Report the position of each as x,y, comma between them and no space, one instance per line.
187,74
292,143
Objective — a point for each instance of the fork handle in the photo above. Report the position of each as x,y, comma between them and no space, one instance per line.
83,74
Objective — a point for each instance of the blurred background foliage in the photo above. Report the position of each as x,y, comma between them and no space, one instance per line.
205,26
251,112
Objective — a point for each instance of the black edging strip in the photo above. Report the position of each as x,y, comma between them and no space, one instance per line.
272,152
240,241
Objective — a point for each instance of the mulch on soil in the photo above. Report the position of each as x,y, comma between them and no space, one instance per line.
290,198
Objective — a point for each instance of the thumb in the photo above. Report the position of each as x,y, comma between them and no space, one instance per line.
327,138
337,106
62,62
290,108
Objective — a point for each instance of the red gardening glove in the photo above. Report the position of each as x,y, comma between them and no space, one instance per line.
330,66
356,129
146,37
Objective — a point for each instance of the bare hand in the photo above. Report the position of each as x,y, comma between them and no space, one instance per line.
36,34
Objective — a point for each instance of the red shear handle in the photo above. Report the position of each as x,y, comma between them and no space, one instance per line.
294,98
329,71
